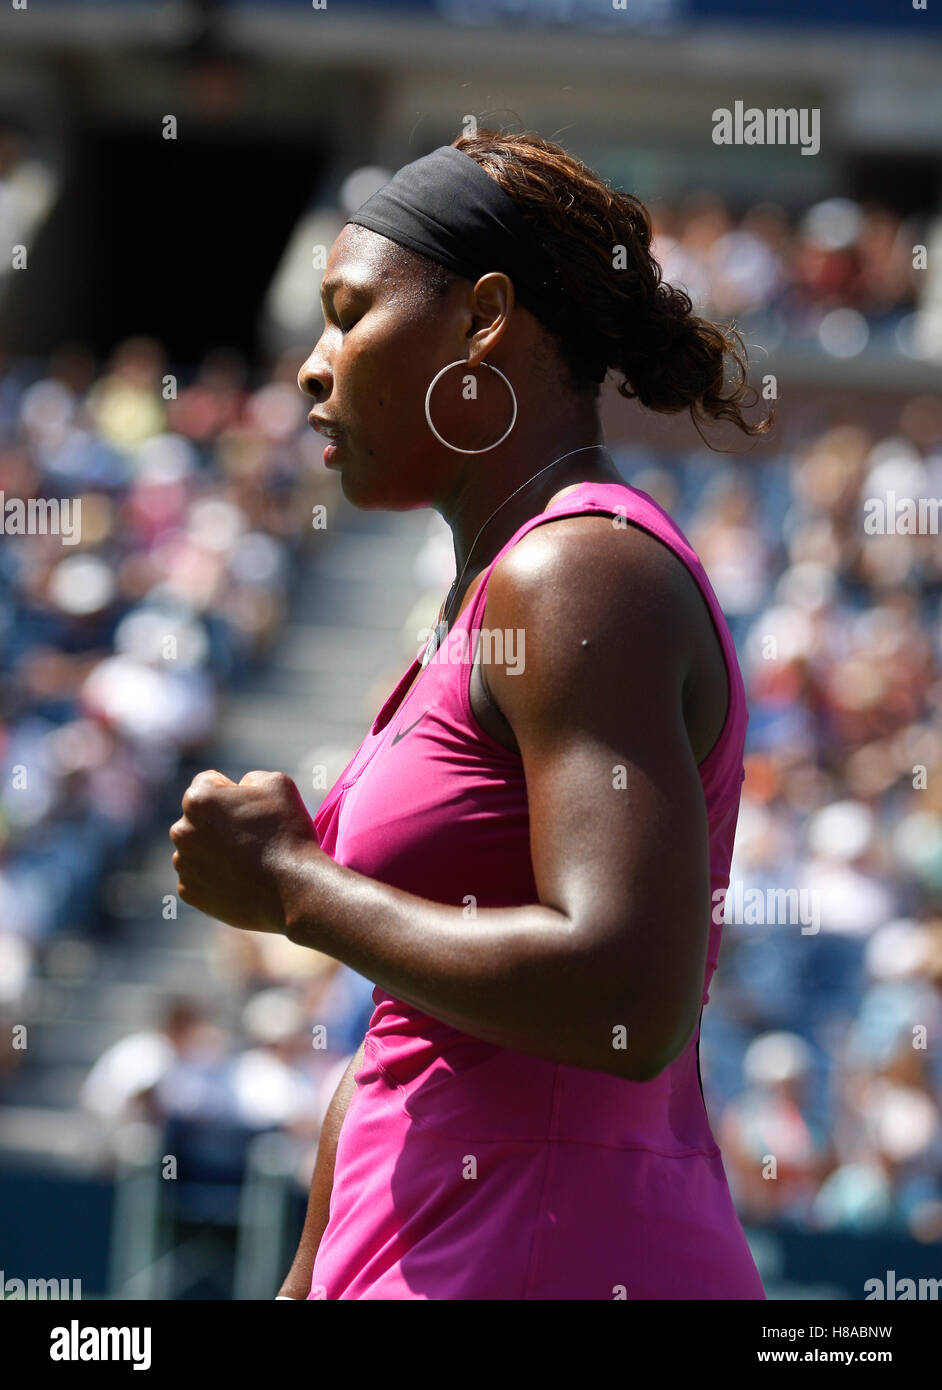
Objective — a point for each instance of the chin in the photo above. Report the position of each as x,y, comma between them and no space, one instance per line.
370,494
359,493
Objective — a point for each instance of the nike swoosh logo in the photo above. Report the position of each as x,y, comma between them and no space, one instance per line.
401,733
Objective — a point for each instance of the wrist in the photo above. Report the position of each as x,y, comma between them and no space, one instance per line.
294,872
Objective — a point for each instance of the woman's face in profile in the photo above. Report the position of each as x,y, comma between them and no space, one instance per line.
387,334
384,339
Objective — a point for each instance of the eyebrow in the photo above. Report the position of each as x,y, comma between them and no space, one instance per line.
330,286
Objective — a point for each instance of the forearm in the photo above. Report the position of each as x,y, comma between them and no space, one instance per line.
297,1282
516,977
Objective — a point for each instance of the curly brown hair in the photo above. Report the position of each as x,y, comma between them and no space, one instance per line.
625,318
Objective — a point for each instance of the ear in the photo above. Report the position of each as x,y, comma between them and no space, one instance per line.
492,304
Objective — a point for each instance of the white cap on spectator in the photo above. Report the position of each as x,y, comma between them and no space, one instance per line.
273,1015
842,831
901,1120
897,951
776,1057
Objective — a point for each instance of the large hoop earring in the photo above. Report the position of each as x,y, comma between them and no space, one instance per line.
487,447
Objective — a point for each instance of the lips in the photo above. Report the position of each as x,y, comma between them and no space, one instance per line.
324,426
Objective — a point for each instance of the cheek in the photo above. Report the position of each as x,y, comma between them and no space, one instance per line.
389,375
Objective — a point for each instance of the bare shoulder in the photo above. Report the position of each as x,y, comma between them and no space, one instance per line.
616,632
599,572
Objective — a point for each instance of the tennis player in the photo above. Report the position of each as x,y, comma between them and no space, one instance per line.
526,850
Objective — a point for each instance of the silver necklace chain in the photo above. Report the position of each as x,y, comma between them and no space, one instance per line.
441,626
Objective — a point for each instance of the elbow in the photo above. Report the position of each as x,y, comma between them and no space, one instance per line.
648,1059
646,1028
646,1069
642,1067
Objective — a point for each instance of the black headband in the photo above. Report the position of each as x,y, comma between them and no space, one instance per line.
446,207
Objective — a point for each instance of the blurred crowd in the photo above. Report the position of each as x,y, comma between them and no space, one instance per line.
822,1041
115,641
838,277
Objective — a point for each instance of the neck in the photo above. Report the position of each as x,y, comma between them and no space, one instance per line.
485,482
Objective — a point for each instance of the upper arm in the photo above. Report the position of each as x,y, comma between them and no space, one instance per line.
618,829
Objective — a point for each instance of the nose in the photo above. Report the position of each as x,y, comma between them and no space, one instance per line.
314,378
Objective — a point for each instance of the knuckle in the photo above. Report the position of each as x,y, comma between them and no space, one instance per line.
263,780
193,798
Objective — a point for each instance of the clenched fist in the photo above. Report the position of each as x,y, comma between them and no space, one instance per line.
240,845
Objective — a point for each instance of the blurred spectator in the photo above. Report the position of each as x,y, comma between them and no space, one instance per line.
775,1153
123,1084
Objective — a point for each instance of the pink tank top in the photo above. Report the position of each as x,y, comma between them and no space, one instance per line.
466,1170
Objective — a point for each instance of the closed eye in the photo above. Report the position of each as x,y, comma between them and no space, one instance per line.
344,318
355,294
